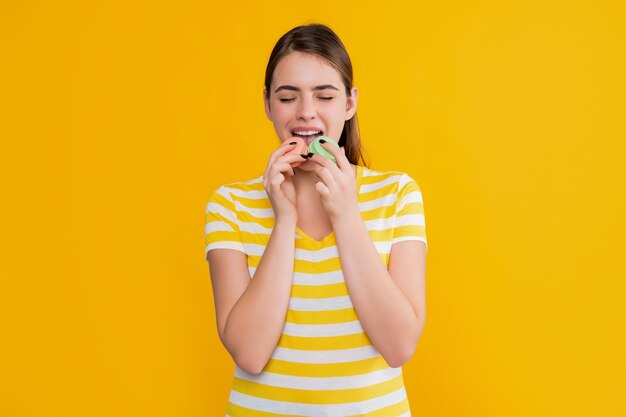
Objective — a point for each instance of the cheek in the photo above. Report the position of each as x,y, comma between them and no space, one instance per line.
337,111
281,114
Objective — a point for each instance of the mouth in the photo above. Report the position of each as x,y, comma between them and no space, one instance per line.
308,136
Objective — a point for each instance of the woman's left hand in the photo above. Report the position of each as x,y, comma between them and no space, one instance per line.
337,185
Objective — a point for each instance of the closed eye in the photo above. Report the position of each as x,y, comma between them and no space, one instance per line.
286,100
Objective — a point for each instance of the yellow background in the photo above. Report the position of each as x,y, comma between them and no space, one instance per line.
118,119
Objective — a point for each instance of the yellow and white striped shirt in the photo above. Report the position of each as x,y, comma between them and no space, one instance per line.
324,363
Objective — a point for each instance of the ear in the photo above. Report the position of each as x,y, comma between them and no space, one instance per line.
266,102
351,103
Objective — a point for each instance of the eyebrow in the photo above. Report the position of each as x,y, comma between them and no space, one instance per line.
293,88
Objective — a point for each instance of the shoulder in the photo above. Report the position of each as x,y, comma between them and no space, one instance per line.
393,181
229,196
233,190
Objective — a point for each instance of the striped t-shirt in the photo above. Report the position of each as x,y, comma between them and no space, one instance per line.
324,363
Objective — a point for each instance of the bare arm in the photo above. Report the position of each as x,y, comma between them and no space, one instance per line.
390,304
251,312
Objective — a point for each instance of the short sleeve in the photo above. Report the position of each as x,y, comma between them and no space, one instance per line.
409,222
221,229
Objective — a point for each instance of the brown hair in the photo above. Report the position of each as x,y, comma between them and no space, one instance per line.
320,40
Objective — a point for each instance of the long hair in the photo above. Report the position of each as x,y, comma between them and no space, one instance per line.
320,40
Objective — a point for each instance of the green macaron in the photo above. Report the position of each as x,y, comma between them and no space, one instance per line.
316,147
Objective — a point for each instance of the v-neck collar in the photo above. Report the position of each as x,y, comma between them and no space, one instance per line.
331,236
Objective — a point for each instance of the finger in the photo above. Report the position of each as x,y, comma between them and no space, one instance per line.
327,178
343,152
280,151
276,180
291,157
322,189
326,163
285,167
273,158
278,166
339,154
281,167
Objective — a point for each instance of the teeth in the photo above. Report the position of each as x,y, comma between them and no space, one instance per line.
307,133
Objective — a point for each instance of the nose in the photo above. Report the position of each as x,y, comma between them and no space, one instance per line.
306,108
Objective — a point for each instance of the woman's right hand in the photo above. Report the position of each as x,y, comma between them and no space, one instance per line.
278,184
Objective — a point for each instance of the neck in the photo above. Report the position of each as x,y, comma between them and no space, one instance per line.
304,180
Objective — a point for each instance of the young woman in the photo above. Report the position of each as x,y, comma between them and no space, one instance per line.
318,270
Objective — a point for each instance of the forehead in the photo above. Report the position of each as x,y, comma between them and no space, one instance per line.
305,71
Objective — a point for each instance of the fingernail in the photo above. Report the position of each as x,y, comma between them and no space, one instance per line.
304,156
292,143
322,140
310,154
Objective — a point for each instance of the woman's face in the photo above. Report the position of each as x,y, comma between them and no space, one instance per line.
308,94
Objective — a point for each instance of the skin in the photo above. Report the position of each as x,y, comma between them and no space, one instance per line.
327,109
390,302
